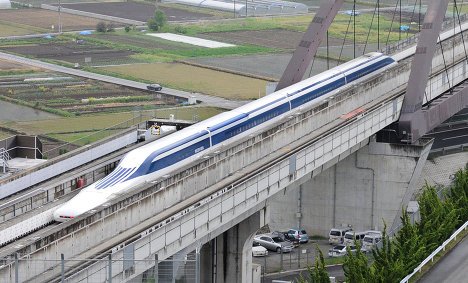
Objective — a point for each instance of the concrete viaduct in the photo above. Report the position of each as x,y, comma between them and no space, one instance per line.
324,161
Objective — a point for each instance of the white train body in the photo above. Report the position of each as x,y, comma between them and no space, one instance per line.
160,157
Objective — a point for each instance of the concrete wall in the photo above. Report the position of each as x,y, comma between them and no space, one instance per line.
369,185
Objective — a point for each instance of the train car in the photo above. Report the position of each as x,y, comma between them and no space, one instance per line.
160,157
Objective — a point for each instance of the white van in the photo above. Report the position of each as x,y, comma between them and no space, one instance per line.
371,240
349,237
336,235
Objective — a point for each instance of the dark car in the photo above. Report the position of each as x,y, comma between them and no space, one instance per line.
286,237
154,87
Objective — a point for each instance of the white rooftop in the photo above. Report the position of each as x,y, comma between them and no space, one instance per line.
190,40
24,163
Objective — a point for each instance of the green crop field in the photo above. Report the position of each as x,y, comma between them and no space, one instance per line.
196,79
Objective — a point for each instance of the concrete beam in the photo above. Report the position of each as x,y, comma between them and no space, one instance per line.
420,70
309,44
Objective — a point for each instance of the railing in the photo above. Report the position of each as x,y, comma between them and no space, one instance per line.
4,157
403,43
434,253
449,149
137,119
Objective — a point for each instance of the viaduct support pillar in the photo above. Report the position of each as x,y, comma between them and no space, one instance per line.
371,184
228,257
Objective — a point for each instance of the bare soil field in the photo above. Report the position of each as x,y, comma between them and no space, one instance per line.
6,65
277,38
73,52
44,19
137,11
150,42
196,79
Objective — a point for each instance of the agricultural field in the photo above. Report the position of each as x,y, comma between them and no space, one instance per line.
65,95
71,129
33,20
196,79
141,11
72,51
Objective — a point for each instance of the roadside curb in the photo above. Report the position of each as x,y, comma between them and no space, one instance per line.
297,270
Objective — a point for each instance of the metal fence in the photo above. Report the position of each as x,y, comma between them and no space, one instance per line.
137,120
178,268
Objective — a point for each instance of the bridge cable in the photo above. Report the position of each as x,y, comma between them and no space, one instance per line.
370,28
344,41
445,64
459,23
391,25
411,19
354,29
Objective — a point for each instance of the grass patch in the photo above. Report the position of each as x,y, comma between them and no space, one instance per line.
195,79
334,260
317,237
11,29
16,72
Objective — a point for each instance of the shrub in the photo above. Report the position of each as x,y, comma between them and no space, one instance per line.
152,25
101,27
110,27
180,29
127,28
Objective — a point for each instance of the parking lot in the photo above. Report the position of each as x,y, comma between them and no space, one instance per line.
299,258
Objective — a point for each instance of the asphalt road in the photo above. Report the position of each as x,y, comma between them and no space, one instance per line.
451,268
205,100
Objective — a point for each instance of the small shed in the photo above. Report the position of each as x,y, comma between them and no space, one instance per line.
5,4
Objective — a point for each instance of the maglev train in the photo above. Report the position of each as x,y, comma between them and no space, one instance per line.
160,157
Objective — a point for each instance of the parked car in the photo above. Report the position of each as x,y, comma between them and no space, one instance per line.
371,240
286,238
154,87
273,243
258,250
298,234
350,235
336,235
341,250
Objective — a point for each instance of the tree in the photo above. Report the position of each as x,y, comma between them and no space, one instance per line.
160,18
101,27
387,267
356,267
127,28
319,274
438,219
152,25
408,246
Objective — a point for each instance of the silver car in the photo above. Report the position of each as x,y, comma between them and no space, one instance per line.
273,243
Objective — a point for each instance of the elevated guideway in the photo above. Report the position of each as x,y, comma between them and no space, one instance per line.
195,204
